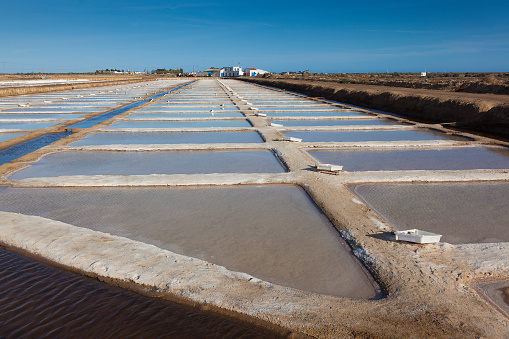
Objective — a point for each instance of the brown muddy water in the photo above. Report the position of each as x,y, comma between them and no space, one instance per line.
274,233
41,301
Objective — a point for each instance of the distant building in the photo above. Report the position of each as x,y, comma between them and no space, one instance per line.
232,72
250,71
211,72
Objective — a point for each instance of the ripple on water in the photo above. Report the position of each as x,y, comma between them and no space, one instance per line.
38,300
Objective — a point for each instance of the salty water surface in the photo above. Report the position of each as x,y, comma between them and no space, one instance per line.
418,159
339,122
180,124
183,115
26,125
9,136
461,212
274,233
127,138
359,136
145,163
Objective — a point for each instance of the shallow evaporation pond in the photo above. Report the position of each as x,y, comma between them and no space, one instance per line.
292,105
9,136
274,233
51,110
194,105
180,124
304,109
470,158
26,125
359,136
461,212
185,109
285,100
40,116
69,105
345,113
18,150
218,114
81,103
145,163
178,100
41,301
133,138
497,292
95,102
339,122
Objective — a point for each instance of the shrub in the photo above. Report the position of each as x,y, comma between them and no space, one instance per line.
490,79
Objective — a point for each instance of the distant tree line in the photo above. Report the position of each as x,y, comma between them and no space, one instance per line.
167,71
107,70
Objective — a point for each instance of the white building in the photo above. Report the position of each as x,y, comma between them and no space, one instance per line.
251,72
232,72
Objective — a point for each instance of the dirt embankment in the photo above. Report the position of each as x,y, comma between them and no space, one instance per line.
480,112
11,91
492,83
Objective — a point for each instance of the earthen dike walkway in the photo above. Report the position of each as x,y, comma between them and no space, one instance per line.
428,289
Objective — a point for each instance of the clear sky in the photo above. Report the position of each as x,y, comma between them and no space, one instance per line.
322,36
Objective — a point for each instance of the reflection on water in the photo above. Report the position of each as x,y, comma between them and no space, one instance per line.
359,136
339,122
41,116
26,125
185,109
145,163
40,301
344,113
432,159
133,138
8,136
29,146
183,115
180,124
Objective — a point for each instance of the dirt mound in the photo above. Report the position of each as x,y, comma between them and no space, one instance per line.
486,113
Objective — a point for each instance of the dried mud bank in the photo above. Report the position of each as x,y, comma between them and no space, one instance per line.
427,289
489,115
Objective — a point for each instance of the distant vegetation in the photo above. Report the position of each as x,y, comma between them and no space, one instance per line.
107,71
168,71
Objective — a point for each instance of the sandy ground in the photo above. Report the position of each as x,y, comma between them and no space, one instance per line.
428,288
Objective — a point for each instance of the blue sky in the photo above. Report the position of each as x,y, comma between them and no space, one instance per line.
322,36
